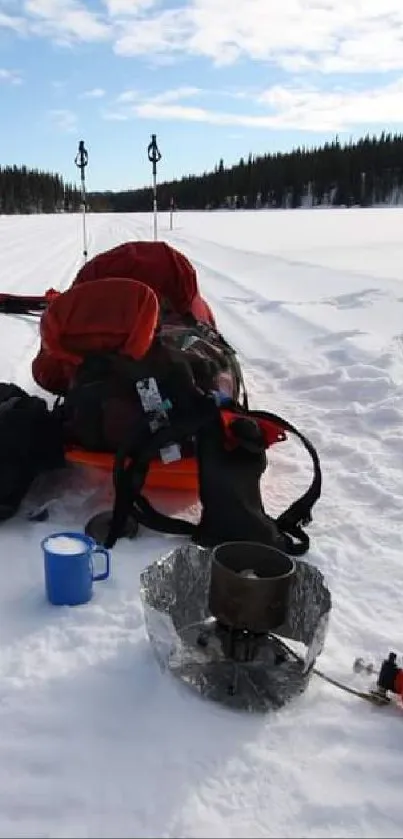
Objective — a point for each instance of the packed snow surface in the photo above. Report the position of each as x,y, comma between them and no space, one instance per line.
95,740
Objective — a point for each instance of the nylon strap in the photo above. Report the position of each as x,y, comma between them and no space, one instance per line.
129,479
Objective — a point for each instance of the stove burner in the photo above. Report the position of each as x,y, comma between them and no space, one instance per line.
240,645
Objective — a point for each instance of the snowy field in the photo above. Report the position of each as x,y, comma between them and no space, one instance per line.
97,742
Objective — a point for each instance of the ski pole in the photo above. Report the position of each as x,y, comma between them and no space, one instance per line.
171,214
81,161
154,156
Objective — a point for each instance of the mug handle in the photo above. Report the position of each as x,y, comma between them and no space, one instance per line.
104,574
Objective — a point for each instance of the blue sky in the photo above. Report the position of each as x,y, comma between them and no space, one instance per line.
212,78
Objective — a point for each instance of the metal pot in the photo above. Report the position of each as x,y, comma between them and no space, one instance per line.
249,586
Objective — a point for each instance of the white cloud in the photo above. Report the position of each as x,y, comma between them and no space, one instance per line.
176,94
127,96
10,76
304,108
95,93
130,102
65,21
167,32
128,7
64,120
323,110
329,36
12,22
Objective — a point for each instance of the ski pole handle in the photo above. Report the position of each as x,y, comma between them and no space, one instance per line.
154,154
81,159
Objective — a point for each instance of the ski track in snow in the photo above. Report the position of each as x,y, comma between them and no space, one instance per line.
96,741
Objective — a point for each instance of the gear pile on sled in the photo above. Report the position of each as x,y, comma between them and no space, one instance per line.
146,386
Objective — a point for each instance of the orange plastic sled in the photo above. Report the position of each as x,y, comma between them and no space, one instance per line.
181,475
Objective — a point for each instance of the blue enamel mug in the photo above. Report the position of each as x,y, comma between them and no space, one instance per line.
69,568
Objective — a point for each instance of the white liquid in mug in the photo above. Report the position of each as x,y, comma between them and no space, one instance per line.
66,545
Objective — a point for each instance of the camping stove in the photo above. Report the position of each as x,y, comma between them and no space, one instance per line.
217,623
249,587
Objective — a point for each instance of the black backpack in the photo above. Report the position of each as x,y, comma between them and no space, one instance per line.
142,410
30,443
112,397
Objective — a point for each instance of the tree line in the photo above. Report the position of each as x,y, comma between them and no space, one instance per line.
366,172
362,173
25,190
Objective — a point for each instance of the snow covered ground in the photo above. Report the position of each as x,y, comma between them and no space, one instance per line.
95,740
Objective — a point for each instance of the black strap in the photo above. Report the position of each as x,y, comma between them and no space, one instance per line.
129,479
299,513
13,304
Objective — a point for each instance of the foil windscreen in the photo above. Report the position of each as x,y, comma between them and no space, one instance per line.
238,669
